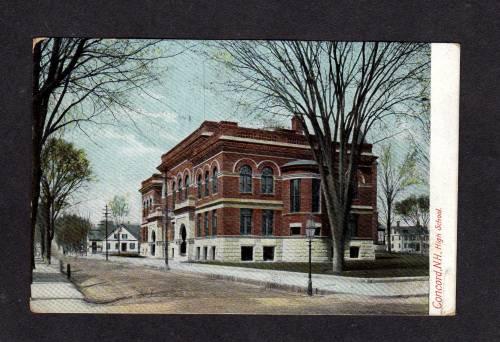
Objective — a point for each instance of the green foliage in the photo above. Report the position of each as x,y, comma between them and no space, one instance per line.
65,169
119,208
414,210
71,231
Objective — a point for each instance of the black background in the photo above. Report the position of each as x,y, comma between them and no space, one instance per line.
473,24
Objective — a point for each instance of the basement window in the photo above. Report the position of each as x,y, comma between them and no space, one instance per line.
354,252
246,253
268,253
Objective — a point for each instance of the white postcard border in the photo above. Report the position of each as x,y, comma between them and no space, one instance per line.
445,89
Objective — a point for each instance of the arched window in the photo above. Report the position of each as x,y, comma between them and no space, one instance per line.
173,194
179,189
207,178
267,181
245,179
198,184
186,187
214,181
150,203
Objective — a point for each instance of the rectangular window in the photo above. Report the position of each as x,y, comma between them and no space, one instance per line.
115,236
353,225
205,253
198,225
108,246
295,195
294,230
354,252
245,221
268,253
315,195
267,222
206,224
132,245
117,246
214,222
246,253
197,253
213,252
124,236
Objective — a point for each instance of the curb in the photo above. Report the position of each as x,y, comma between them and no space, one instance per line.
302,289
292,288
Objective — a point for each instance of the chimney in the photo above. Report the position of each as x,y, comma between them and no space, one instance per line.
297,125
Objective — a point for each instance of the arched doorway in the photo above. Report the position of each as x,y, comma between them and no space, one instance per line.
183,240
153,245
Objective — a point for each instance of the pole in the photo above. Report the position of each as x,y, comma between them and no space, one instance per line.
309,285
106,225
165,219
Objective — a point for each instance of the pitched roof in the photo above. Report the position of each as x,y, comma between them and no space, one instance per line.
133,229
96,235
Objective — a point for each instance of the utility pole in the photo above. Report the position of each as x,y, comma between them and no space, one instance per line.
106,213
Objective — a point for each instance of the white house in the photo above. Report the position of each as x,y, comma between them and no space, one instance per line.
124,239
409,239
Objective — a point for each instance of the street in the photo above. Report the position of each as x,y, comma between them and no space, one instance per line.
128,288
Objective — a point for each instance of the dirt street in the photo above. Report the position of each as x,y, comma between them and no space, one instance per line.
133,289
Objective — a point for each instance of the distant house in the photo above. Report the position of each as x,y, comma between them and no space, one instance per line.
409,239
123,239
95,239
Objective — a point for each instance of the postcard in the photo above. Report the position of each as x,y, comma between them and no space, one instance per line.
244,177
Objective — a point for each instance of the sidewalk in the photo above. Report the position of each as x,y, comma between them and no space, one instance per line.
52,292
295,281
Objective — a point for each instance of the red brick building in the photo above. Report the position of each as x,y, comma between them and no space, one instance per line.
244,194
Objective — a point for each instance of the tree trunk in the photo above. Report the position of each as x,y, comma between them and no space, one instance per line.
49,249
338,256
36,176
337,229
36,171
48,235
41,228
388,226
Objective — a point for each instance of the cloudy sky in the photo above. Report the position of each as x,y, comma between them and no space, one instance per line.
123,155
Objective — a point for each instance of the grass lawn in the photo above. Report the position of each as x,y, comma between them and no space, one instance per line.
385,265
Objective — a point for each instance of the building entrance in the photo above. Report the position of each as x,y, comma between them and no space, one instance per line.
182,250
153,245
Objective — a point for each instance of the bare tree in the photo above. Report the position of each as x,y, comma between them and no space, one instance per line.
119,209
393,178
65,170
75,80
338,91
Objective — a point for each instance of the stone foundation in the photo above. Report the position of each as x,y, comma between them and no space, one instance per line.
286,249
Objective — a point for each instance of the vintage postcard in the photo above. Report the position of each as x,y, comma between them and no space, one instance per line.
244,177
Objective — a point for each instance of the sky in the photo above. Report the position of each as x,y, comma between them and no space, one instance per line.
188,92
